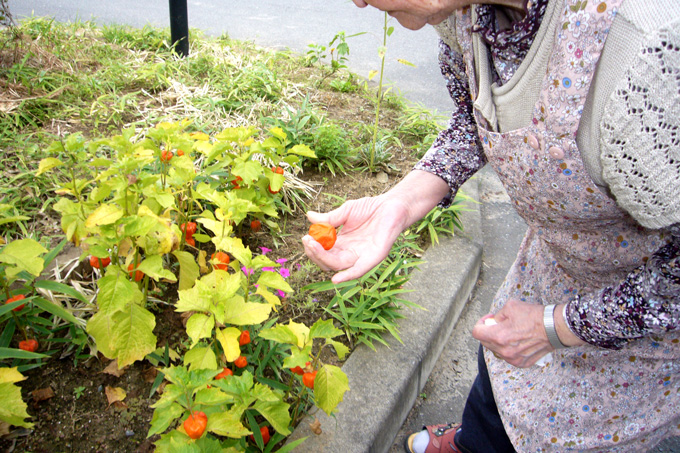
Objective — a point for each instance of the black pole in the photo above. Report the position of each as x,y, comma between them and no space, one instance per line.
179,26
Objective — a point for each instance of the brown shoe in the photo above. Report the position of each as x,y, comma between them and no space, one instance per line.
441,439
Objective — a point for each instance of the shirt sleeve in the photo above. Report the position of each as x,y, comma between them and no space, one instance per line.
646,303
456,153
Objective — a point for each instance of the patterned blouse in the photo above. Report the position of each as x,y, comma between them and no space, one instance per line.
647,301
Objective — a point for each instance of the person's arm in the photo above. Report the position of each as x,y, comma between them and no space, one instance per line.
371,225
457,152
647,302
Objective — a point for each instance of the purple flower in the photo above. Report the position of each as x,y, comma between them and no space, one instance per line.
281,260
248,271
282,295
265,250
285,273
268,269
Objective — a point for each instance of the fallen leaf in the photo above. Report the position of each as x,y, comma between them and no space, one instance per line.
4,428
202,265
113,369
42,394
114,394
150,374
315,426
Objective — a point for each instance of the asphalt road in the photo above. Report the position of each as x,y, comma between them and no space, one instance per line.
282,24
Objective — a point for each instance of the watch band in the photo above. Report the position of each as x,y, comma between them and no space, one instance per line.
549,324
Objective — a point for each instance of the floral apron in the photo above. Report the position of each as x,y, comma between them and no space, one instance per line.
578,241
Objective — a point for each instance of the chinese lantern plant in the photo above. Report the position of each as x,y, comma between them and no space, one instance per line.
22,315
328,382
230,406
225,303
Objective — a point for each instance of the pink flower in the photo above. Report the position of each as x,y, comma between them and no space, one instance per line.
268,269
285,273
281,260
265,250
281,293
248,271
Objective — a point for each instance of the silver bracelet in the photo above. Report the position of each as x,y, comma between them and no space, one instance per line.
549,324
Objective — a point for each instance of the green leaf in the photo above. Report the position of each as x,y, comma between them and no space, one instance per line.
292,333
162,418
116,291
213,289
56,310
133,334
57,287
153,267
270,405
201,358
330,386
324,329
12,353
199,326
188,269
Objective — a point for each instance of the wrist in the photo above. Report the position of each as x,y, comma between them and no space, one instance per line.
564,332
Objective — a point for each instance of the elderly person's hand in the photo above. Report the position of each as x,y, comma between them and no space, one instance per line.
371,225
519,337
415,14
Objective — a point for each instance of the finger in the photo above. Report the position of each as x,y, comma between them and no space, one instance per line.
360,3
317,217
361,266
336,217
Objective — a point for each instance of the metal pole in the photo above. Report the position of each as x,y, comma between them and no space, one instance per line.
179,26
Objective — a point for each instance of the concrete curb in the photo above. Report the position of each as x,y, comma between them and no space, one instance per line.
385,383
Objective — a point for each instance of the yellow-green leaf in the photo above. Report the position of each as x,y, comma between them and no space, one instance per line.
105,214
228,338
48,164
23,255
11,375
241,313
12,407
372,73
330,386
133,334
274,280
201,358
227,424
188,269
406,62
153,267
271,298
292,333
199,326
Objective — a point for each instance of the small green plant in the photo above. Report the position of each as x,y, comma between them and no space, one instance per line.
78,391
443,220
368,307
333,148
337,50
